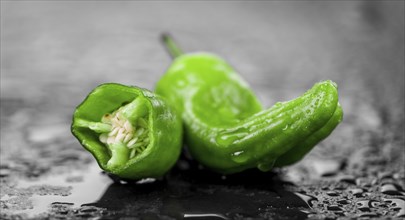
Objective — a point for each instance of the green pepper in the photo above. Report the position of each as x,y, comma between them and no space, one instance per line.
132,132
226,128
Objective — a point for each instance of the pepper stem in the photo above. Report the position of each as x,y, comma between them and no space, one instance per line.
171,46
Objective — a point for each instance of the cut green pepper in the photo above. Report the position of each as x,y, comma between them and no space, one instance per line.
226,128
131,132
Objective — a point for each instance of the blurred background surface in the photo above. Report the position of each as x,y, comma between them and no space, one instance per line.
53,53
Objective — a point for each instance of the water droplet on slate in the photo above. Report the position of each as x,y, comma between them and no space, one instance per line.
368,194
363,205
334,208
397,204
386,181
384,175
390,189
205,216
146,181
87,209
343,202
123,182
347,179
4,172
356,192
332,193
374,203
62,212
307,198
306,211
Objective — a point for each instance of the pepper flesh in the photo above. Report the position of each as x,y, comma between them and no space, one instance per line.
131,132
226,128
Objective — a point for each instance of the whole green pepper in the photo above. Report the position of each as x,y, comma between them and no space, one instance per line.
131,132
226,128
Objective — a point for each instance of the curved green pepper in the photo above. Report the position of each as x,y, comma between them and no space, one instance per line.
131,132
226,128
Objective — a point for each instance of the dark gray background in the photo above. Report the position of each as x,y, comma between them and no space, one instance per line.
54,53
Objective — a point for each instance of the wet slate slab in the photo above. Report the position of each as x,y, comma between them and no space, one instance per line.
52,59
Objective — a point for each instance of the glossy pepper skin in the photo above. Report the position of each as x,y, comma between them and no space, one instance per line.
226,128
132,132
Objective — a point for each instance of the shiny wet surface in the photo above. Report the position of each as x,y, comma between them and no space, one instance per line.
53,54
196,193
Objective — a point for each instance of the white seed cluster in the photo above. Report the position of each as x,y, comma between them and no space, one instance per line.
122,131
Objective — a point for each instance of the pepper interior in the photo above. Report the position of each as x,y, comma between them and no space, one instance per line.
124,131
